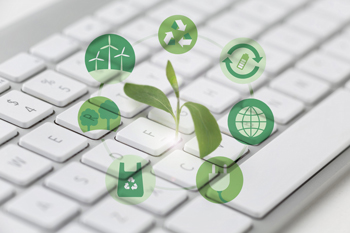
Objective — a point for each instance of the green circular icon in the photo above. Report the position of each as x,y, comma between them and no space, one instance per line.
110,58
177,34
242,60
250,121
226,186
98,113
129,181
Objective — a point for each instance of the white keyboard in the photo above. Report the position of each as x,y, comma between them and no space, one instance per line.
52,176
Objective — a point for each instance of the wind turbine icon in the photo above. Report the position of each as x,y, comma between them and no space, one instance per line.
96,59
109,46
121,55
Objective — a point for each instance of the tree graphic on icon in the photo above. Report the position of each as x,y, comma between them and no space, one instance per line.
89,118
108,110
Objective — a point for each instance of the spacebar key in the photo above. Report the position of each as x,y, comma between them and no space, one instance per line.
287,162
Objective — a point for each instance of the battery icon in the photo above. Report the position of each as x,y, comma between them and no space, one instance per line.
243,61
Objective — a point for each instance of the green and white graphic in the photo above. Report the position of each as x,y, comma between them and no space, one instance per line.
227,184
242,60
129,179
110,58
250,121
98,113
177,34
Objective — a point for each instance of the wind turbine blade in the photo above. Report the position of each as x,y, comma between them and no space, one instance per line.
99,59
104,47
92,59
123,50
109,40
113,47
117,55
125,55
98,53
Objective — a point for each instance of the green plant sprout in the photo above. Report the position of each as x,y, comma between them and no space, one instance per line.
207,130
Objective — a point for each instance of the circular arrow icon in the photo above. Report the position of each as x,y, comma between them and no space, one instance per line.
242,60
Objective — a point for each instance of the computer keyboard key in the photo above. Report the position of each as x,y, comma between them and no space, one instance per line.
11,224
339,47
7,131
53,142
23,110
194,217
209,6
325,67
297,154
180,168
347,85
86,29
21,67
144,5
214,96
6,191
278,60
69,120
54,88
283,107
76,228
215,74
147,73
103,155
79,182
43,207
21,166
186,123
148,136
164,198
229,147
55,48
117,13
74,67
288,39
159,230
337,8
189,66
4,85
300,85
112,216
128,107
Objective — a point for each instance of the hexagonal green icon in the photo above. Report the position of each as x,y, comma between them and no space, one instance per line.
110,58
177,34
242,60
250,121
228,181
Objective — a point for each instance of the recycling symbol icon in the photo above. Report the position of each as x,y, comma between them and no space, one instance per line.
169,36
131,181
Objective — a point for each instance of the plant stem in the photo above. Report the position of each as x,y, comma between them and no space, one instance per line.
177,121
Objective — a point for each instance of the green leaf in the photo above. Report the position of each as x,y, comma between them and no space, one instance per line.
207,129
170,74
148,95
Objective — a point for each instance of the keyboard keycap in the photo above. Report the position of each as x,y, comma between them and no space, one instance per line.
315,140
159,230
55,48
278,60
283,107
289,40
180,168
186,124
229,147
54,88
10,224
4,85
112,216
43,207
194,217
300,86
164,198
23,110
214,96
79,182
74,67
21,166
6,191
69,119
148,136
325,67
337,8
86,29
144,5
128,107
339,47
209,6
103,155
21,67
117,13
53,142
149,74
76,228
7,131
189,66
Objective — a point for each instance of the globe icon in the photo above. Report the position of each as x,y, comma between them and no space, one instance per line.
250,121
